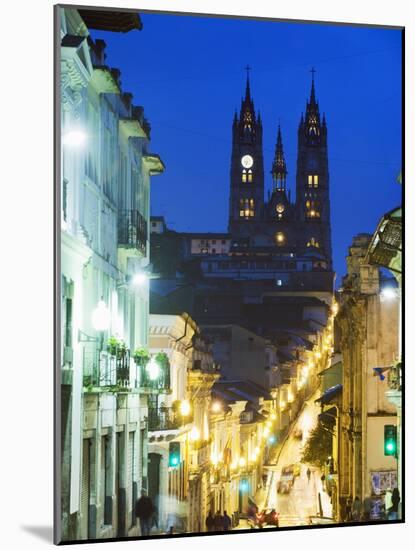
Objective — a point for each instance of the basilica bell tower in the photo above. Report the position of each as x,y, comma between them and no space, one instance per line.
312,182
246,201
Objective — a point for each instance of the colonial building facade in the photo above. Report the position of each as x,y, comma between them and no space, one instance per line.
369,339
105,188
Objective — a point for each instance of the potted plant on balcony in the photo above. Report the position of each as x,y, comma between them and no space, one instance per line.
141,357
112,345
121,350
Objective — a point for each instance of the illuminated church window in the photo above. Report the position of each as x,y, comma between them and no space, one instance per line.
313,180
250,175
313,209
244,176
246,208
313,242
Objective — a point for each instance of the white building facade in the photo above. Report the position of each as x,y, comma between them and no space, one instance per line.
105,194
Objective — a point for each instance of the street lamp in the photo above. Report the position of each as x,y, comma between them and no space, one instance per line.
185,408
388,293
139,279
216,406
74,138
194,434
153,369
101,317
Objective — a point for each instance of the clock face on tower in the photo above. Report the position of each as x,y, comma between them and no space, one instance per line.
247,161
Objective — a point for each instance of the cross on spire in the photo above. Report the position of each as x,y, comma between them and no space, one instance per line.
312,72
247,69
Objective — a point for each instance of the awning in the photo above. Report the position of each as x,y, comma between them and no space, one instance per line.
330,394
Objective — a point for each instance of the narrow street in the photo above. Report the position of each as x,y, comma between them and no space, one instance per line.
295,507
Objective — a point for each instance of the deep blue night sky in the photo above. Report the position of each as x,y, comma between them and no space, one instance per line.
188,73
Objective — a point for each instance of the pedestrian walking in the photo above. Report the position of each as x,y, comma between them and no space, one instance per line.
356,509
218,521
155,517
308,474
144,511
348,509
210,521
394,510
227,522
367,508
387,501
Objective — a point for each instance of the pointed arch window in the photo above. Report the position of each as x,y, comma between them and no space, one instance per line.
313,242
246,208
313,181
247,176
247,120
312,209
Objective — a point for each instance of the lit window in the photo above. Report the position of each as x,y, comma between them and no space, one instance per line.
244,176
279,282
313,242
313,209
313,180
250,176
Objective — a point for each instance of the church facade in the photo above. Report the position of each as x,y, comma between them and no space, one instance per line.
301,227
274,263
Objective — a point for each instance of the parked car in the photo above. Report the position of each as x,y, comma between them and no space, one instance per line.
267,517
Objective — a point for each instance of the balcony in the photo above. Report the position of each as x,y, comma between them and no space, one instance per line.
166,418
395,377
104,370
132,230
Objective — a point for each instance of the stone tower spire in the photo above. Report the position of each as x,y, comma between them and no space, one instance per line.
279,168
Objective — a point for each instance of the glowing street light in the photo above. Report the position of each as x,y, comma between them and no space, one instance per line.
153,369
139,279
101,317
388,293
185,408
194,434
242,462
216,406
74,138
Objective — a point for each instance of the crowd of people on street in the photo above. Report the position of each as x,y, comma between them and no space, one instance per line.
218,522
356,510
147,513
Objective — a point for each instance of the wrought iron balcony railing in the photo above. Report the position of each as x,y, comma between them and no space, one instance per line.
166,418
102,369
132,230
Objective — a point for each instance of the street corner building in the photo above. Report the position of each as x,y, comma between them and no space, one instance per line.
218,380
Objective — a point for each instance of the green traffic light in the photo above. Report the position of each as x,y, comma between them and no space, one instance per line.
390,440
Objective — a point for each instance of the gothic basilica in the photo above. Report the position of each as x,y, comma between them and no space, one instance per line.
301,227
